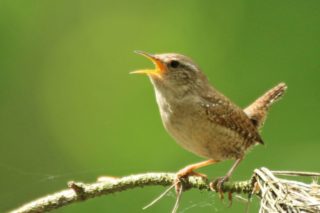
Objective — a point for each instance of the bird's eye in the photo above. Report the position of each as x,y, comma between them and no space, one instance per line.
174,63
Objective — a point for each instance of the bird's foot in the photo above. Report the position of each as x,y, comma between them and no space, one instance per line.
217,184
178,183
184,174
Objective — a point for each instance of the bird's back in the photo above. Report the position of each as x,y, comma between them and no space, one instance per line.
239,132
209,125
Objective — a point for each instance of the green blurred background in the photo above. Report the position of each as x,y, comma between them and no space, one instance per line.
69,110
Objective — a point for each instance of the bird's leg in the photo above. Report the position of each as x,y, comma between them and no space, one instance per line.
217,184
189,170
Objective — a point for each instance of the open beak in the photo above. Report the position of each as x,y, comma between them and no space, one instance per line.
159,67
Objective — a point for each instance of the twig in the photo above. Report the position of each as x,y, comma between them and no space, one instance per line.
159,197
80,191
296,173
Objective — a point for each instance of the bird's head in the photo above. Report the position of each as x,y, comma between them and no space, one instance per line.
173,72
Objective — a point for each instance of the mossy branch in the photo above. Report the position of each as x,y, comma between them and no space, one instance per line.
276,194
82,191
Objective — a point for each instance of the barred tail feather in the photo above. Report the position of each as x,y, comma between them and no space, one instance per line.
257,111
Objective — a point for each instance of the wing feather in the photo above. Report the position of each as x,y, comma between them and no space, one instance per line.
222,111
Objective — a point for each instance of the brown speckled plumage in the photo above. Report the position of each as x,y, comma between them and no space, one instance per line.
201,119
257,111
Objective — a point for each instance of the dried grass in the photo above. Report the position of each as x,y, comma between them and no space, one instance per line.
282,195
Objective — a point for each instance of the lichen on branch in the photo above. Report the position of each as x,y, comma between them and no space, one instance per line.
79,191
276,194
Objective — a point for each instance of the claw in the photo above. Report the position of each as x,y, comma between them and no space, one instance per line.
220,182
177,184
230,199
217,184
183,174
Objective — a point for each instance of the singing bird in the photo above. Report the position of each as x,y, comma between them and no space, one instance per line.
200,118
